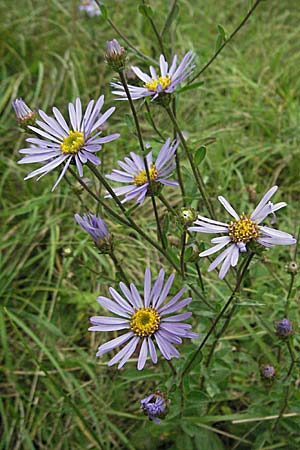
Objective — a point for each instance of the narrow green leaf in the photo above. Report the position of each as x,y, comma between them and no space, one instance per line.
199,155
145,10
103,10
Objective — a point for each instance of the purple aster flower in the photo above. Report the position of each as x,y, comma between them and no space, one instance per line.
241,232
95,227
134,173
155,406
155,84
115,55
23,112
90,7
284,328
62,144
145,319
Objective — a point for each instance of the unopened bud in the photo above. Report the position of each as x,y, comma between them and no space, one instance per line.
292,267
115,55
25,116
284,328
155,406
268,372
187,216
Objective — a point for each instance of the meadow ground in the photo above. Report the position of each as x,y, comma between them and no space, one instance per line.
55,394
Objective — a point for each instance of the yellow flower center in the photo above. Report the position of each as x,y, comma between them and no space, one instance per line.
243,230
145,321
72,143
141,178
163,81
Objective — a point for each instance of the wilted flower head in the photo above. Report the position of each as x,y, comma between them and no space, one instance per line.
62,143
135,177
268,372
96,227
241,232
187,215
115,55
25,116
164,83
146,319
292,267
90,7
155,406
284,328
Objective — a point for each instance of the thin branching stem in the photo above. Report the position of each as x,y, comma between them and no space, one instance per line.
183,243
155,31
197,175
140,138
170,13
242,23
126,40
118,266
129,223
219,316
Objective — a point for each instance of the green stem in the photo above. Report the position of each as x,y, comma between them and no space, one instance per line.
170,13
226,42
122,36
197,175
167,205
153,123
199,276
103,181
287,303
140,138
219,316
182,265
293,360
118,266
129,223
155,31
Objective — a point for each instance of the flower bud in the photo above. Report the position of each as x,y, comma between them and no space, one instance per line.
97,229
187,216
155,406
268,372
115,55
292,267
284,328
23,113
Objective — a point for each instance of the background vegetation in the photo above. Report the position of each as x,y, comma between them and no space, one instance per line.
55,394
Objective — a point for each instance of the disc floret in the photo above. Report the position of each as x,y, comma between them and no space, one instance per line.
142,178
145,321
164,82
72,143
243,230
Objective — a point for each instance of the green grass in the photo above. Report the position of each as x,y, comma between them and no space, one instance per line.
55,394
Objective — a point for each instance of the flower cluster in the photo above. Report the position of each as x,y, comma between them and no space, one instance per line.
154,320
